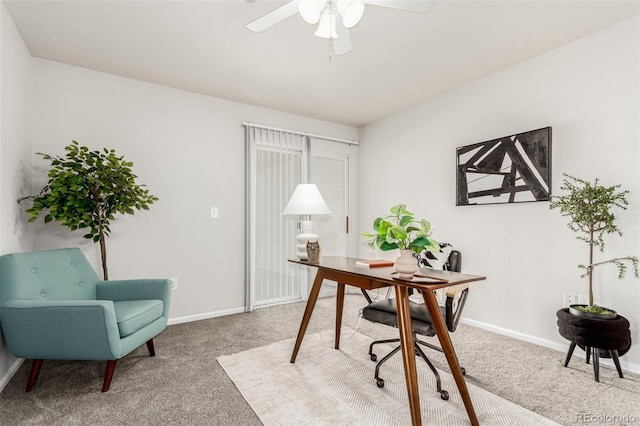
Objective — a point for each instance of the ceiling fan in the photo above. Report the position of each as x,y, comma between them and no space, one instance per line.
334,17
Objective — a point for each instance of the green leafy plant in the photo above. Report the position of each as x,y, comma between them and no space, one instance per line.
401,230
589,206
86,189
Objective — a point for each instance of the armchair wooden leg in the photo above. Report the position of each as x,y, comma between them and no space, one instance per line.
36,365
152,350
108,374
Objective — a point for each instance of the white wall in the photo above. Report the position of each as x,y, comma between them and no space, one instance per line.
588,91
16,76
189,150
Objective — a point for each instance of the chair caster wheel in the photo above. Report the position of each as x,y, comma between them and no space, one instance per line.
444,395
464,372
380,383
374,357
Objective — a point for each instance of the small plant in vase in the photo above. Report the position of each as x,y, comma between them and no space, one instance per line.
401,230
589,206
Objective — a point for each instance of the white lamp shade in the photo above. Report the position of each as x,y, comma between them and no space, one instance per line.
351,11
306,200
310,10
327,25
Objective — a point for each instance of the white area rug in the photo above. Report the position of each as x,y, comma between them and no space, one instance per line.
336,387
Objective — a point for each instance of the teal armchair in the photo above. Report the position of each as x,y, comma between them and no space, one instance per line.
54,306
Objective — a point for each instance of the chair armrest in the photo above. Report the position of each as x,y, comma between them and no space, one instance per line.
139,289
453,317
61,329
455,290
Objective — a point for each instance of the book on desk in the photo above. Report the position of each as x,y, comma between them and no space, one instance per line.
374,263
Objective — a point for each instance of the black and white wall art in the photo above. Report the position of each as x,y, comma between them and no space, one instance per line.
512,169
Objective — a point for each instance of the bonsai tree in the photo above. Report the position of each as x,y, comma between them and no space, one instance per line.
86,189
589,206
401,230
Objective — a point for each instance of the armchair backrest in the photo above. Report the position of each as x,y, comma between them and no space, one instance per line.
62,274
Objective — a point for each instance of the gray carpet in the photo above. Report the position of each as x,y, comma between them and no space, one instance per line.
184,385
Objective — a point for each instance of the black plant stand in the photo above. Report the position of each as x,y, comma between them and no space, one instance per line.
606,338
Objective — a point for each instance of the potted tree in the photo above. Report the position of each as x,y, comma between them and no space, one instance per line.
589,206
86,189
401,230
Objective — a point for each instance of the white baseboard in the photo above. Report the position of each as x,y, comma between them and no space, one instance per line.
560,347
206,315
4,380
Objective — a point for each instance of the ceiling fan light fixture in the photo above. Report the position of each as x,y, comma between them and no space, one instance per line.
311,10
327,25
351,12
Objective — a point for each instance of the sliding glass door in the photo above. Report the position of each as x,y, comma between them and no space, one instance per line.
330,172
277,161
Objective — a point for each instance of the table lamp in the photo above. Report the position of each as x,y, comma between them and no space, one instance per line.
306,200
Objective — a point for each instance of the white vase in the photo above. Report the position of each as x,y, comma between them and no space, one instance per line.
406,265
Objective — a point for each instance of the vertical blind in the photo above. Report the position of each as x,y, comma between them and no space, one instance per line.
276,164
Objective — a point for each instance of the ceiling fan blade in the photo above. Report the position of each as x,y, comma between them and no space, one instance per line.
342,44
418,6
274,17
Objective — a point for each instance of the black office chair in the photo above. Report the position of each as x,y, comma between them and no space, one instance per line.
384,312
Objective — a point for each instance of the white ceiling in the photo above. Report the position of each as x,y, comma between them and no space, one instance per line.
398,58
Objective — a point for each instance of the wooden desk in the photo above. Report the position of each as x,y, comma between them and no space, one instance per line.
344,271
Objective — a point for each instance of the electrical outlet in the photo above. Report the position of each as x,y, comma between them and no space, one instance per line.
570,299
174,284
583,299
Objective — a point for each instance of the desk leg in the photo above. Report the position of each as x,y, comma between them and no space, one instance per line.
408,353
447,347
311,303
339,306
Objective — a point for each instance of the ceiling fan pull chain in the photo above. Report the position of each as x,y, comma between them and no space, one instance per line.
330,50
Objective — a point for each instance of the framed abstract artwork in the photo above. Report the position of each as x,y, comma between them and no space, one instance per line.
511,169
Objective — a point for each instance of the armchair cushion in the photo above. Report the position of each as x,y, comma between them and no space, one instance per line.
132,315
137,289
